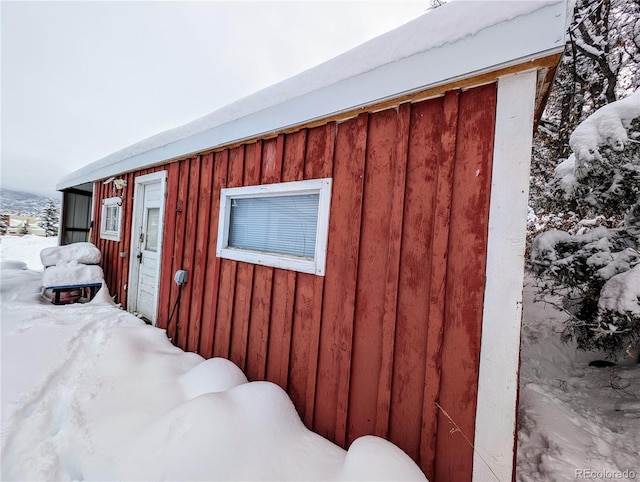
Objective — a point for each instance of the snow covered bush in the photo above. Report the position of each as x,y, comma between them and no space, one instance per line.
595,262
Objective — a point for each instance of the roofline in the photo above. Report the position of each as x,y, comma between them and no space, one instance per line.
541,33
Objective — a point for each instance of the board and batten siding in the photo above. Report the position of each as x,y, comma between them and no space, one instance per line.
392,332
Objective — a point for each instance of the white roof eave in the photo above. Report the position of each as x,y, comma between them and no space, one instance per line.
533,35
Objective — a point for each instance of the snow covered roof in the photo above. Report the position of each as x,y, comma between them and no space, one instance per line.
456,41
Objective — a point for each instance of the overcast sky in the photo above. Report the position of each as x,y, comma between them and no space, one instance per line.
81,80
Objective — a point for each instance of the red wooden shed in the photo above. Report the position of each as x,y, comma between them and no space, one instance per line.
354,234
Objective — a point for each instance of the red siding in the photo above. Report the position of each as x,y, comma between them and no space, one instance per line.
211,262
372,267
393,329
336,335
168,289
424,158
465,279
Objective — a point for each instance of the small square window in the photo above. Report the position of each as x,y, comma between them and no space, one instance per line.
111,218
281,225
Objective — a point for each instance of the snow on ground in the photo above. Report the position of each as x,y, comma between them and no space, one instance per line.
89,392
573,417
25,248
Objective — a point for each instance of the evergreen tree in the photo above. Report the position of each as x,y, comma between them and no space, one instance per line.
585,181
601,64
49,219
3,227
24,228
436,3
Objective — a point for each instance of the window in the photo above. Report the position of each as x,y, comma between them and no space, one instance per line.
153,221
281,225
111,214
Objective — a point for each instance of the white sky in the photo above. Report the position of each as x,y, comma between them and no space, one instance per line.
81,80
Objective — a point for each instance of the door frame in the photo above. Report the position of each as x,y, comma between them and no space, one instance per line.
136,223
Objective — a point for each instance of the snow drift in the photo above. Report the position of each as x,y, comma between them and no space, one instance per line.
89,392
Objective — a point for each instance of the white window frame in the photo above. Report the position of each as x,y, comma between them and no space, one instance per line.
294,263
108,233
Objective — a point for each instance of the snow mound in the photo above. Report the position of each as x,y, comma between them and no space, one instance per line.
12,264
72,273
210,376
89,392
373,458
86,253
103,297
253,432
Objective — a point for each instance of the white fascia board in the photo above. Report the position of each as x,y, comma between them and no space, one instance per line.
502,314
526,37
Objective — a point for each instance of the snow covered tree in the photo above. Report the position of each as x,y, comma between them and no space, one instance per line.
49,219
24,228
585,181
436,3
601,64
3,227
596,262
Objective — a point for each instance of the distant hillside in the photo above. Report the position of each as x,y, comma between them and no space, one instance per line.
22,203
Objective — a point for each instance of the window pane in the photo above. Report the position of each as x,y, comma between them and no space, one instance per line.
108,219
279,224
153,217
111,222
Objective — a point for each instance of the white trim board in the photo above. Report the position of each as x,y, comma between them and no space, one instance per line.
502,314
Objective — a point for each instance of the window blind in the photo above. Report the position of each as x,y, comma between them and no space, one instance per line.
275,224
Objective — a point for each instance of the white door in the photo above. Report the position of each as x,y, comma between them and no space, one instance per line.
146,245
